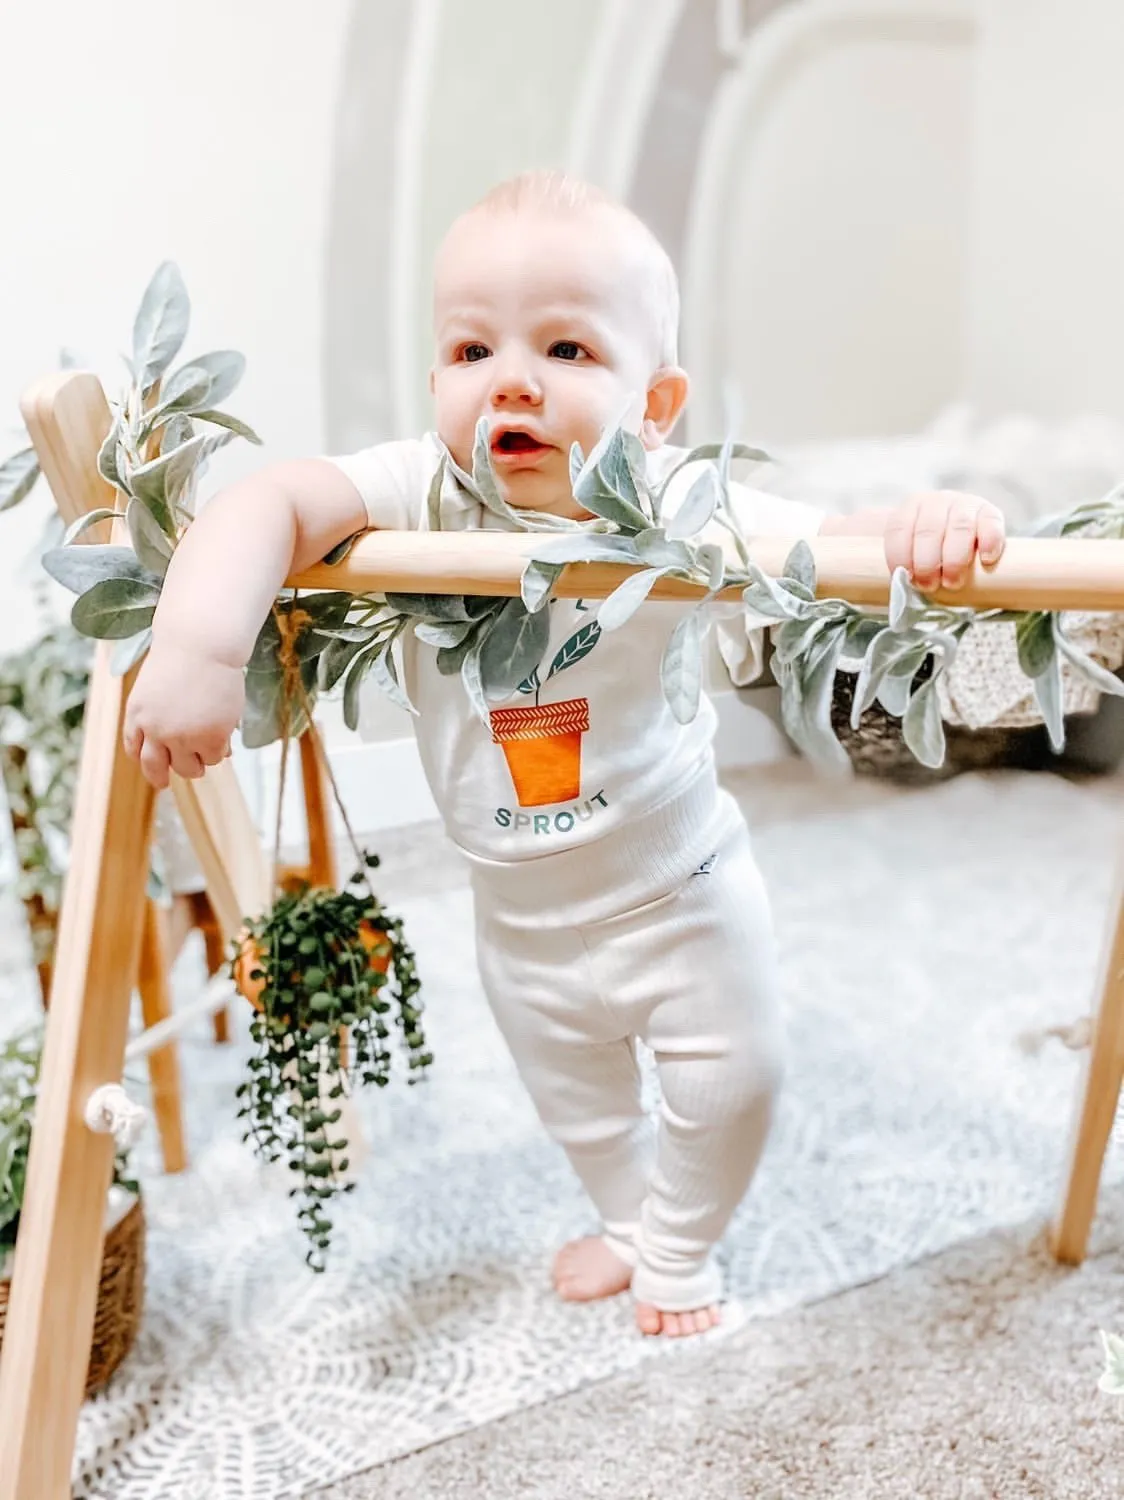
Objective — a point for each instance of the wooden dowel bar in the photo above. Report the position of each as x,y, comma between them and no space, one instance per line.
1034,573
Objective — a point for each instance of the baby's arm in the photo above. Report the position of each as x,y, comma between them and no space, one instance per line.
227,569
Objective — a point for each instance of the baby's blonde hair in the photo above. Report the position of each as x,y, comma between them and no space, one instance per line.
555,191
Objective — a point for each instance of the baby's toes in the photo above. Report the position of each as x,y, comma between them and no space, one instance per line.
649,1319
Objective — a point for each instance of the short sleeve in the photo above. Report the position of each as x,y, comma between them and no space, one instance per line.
393,480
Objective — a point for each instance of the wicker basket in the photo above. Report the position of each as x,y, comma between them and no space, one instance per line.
877,748
120,1297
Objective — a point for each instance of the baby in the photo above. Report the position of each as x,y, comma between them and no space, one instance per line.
616,895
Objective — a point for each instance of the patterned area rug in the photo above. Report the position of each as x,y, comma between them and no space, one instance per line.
923,934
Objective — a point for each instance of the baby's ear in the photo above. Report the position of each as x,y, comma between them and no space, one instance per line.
667,396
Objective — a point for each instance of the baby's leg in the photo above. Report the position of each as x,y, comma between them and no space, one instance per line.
580,1071
701,965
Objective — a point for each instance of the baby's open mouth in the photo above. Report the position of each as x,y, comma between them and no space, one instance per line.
517,442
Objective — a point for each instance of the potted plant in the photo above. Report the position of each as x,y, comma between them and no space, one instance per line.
329,973
121,1286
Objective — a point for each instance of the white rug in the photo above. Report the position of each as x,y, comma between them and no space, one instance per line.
922,933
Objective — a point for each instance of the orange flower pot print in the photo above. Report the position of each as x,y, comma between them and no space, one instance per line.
542,744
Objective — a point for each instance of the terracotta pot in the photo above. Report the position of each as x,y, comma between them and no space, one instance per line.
542,744
374,940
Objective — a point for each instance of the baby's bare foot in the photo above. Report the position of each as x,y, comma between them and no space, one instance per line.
674,1325
587,1269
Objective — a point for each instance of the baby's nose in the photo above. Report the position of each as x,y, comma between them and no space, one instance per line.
515,381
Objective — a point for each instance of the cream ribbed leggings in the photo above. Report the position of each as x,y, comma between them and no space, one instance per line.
693,975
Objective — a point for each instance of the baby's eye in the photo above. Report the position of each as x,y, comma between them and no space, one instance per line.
470,353
566,349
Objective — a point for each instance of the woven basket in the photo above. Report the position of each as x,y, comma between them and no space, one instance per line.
877,748
120,1298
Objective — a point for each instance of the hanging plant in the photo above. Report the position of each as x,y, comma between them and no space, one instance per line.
329,973
316,962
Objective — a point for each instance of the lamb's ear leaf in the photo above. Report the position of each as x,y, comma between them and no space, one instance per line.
83,523
513,647
18,475
536,582
1100,677
1034,638
922,729
115,609
699,504
627,597
681,670
1048,692
809,717
384,670
160,326
800,566
80,568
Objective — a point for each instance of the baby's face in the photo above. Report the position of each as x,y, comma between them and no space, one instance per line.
543,327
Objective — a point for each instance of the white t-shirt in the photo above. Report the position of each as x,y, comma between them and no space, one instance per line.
596,746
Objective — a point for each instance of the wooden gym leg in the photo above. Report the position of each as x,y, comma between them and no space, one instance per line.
163,1064
58,1253
1098,1098
215,950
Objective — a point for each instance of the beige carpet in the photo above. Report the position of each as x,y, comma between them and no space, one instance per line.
912,1123
971,1375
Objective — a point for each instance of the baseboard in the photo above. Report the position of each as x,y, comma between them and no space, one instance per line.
383,785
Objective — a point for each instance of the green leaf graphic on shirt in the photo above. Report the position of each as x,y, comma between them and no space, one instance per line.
580,644
531,684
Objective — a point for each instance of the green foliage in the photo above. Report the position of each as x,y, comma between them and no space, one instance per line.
18,476
317,976
166,426
497,644
814,638
20,1058
42,704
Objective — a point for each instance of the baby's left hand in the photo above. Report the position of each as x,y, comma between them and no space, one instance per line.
935,536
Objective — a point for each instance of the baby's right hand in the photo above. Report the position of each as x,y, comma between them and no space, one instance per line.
182,710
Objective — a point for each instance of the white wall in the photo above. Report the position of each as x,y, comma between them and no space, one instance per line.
1047,298
828,247
134,133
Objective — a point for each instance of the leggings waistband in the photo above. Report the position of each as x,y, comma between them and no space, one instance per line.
638,862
